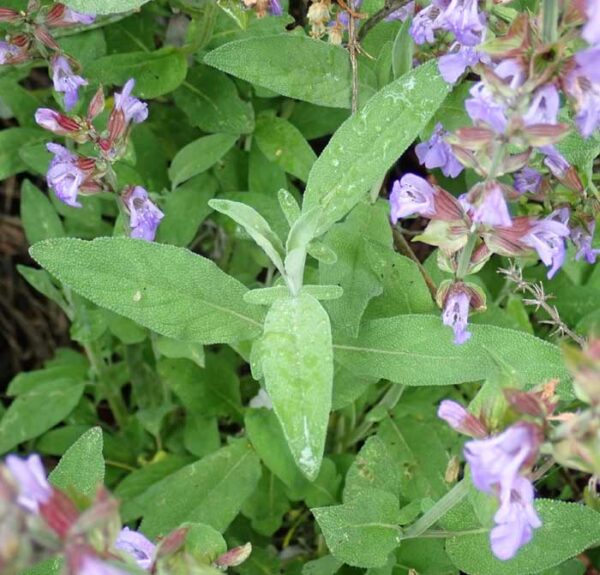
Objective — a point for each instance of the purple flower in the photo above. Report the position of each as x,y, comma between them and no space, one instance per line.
586,95
136,545
527,180
456,315
424,25
403,13
591,31
582,237
64,175
30,477
94,566
492,210
462,17
71,16
453,65
132,108
48,119
437,153
144,216
459,419
515,520
495,462
275,8
65,80
555,161
547,238
587,61
544,106
483,107
411,195
8,52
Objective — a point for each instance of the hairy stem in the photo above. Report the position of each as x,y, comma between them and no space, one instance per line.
389,7
404,248
441,507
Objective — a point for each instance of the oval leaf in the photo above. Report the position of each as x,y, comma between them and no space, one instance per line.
368,143
82,466
297,363
167,289
567,530
294,66
199,156
104,6
156,73
409,349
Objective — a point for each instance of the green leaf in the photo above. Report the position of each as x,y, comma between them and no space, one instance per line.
176,349
282,142
104,6
256,226
351,271
567,530
39,217
291,65
82,466
373,467
409,349
185,208
404,289
266,435
199,156
211,102
155,73
267,505
210,491
368,143
363,531
12,140
212,391
297,363
36,411
167,289
402,53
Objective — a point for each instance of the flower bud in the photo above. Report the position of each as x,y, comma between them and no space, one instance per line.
56,122
234,557
97,104
8,15
45,38
545,134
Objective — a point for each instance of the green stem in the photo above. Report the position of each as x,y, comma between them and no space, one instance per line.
465,256
387,402
550,22
441,507
113,395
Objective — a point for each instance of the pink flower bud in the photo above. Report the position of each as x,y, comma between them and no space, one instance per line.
459,419
56,122
234,557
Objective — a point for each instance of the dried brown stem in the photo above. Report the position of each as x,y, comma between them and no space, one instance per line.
404,248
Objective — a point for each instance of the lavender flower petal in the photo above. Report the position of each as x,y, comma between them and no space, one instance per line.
144,216
591,31
456,315
136,545
437,153
544,106
134,110
582,237
527,180
411,195
64,176
30,477
547,238
66,81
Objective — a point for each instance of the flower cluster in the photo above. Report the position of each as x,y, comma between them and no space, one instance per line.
58,513
71,174
87,534
35,39
499,466
511,146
